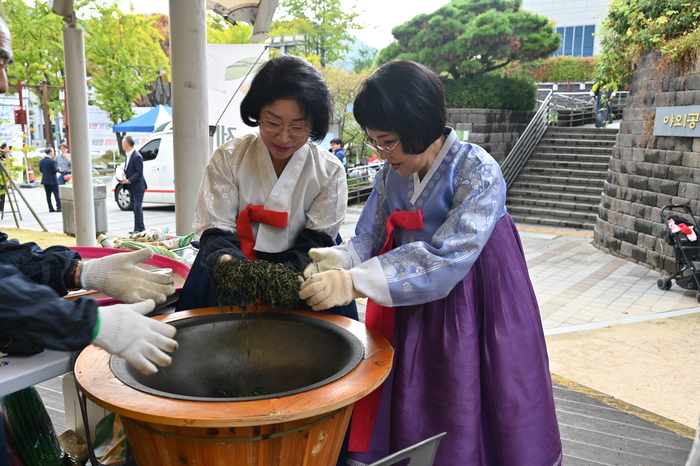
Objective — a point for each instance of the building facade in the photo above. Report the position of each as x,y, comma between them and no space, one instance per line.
578,22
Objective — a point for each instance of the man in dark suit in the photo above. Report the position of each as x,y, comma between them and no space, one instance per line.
135,181
49,174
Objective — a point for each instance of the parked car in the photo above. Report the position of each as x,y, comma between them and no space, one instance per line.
158,169
362,172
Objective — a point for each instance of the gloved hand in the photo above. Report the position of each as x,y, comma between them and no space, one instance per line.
118,276
325,259
329,289
125,331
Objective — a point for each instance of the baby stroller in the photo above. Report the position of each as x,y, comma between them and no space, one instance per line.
682,232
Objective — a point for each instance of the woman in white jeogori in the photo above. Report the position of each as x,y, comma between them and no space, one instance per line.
272,194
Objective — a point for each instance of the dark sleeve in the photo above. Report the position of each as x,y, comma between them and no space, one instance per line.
137,162
49,266
33,313
297,257
215,243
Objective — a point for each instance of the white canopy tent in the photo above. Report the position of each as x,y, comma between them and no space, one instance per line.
189,94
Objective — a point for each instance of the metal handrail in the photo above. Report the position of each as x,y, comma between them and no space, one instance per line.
518,156
578,108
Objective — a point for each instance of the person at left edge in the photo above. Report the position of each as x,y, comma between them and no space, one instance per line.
135,181
33,280
49,174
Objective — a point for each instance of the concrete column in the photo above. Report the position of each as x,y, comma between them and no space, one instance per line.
188,60
77,96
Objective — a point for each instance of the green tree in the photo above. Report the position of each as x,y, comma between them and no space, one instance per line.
468,37
344,86
365,59
37,43
220,31
124,56
295,26
325,23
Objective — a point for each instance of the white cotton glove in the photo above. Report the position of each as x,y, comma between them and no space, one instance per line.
329,289
125,331
118,276
325,259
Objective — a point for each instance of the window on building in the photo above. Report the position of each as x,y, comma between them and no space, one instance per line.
588,39
576,41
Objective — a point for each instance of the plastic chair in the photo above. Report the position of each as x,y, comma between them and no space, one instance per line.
420,454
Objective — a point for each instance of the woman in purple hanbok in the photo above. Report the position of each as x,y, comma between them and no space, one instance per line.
435,242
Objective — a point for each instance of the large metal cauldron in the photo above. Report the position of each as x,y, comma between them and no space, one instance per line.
170,419
238,357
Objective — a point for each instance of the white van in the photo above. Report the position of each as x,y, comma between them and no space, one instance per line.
158,169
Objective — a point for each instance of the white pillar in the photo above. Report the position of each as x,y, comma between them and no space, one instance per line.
188,61
76,89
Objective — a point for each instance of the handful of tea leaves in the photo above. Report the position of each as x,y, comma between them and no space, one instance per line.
257,282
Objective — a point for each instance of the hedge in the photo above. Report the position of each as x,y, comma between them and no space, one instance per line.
491,91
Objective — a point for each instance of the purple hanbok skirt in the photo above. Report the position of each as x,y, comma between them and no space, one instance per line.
474,365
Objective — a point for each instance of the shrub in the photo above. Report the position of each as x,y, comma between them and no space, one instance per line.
34,163
491,91
634,27
563,68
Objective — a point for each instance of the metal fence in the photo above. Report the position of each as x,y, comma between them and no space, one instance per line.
360,181
578,108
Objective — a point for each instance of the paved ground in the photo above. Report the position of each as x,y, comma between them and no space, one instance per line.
612,334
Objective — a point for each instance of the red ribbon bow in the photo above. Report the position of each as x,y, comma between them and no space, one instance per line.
256,213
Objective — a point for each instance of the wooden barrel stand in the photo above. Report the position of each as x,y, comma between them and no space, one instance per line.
304,429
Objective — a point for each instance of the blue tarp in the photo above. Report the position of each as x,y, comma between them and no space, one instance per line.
147,122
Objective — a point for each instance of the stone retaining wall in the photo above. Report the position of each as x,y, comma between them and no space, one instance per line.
495,130
647,172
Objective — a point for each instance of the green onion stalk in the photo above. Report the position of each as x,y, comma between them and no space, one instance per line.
30,429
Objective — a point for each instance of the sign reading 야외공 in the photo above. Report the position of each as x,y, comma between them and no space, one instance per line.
678,121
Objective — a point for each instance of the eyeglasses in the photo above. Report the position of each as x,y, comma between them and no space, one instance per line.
275,127
5,63
377,147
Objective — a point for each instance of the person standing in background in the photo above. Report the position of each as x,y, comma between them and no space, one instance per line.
64,163
49,174
135,181
604,91
338,151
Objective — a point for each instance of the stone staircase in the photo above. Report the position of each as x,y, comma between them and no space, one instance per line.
561,183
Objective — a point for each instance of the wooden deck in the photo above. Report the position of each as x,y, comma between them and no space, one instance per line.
596,433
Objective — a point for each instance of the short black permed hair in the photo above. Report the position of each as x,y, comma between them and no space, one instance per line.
405,98
290,77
